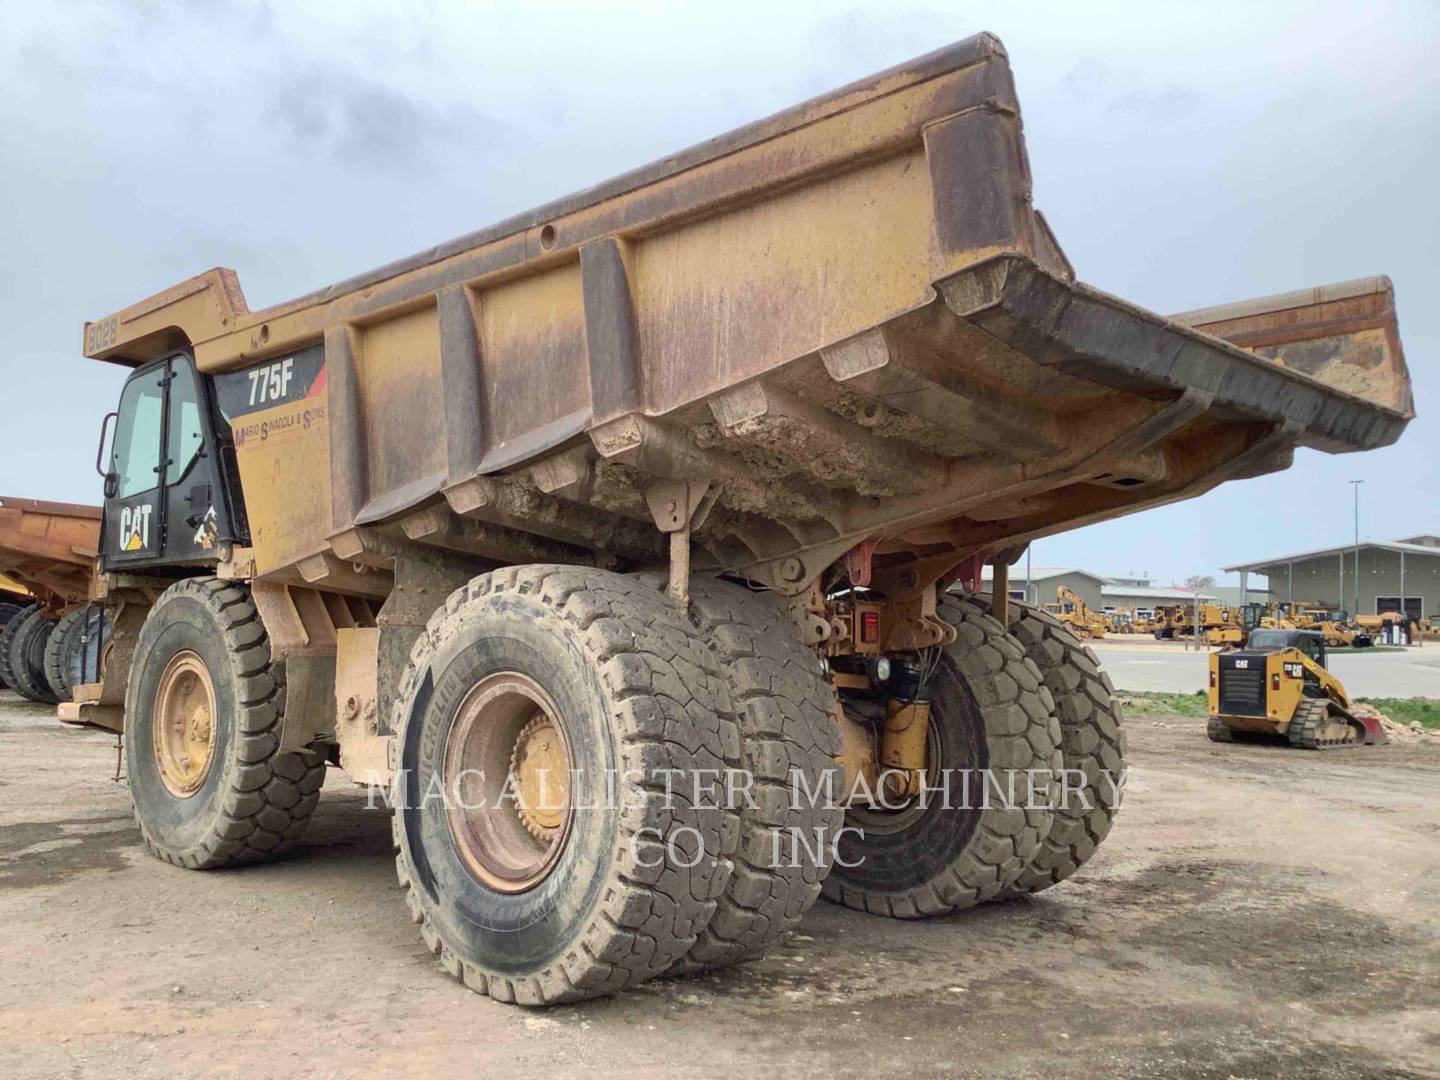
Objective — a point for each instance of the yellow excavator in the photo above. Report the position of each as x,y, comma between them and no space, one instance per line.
1279,685
1070,609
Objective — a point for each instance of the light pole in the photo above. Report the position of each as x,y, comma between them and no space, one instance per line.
1355,560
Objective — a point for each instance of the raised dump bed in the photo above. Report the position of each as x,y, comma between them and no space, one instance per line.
848,316
836,355
49,547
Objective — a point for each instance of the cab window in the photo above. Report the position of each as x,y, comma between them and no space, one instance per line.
187,438
135,456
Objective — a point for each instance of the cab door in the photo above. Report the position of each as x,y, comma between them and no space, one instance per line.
165,501
193,504
133,506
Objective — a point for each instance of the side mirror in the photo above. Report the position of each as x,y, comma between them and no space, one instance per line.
100,452
112,485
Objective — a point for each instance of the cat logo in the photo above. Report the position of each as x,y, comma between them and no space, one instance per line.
135,528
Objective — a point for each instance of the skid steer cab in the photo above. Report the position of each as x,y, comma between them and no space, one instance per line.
1278,685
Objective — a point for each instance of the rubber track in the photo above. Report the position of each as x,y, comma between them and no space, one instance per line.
271,795
1218,731
1309,716
1022,733
672,709
783,705
1092,741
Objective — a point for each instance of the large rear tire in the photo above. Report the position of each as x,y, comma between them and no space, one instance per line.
204,710
26,651
87,651
1092,746
783,705
8,614
58,648
992,719
615,885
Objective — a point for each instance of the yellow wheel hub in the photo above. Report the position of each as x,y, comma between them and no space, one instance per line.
541,779
183,725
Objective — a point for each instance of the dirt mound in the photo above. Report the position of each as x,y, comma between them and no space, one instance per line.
1394,729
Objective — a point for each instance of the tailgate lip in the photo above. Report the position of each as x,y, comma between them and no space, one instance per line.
1150,348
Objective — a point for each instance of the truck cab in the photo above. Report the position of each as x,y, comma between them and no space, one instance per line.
170,499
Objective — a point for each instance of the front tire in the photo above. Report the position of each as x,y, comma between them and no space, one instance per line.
204,710
618,878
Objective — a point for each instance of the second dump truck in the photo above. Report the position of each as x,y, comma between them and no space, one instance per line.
670,481
51,640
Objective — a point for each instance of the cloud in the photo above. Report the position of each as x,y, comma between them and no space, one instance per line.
372,125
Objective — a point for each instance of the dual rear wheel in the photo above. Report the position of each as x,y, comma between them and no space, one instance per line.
670,841
22,654
538,917
1026,767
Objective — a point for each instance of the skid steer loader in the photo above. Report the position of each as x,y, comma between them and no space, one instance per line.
1279,685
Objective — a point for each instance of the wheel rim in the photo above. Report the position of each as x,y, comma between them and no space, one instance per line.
183,725
506,771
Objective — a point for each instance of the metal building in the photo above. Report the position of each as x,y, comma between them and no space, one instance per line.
1374,577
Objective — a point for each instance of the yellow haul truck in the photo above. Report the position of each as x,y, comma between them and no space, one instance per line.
673,476
51,640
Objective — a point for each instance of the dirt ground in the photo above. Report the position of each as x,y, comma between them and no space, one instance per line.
1256,912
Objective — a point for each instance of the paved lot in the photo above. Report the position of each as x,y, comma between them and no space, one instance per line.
1414,672
1257,912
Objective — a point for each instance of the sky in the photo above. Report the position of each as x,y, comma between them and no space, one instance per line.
1185,154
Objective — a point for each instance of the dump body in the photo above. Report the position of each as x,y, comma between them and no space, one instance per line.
49,548
847,320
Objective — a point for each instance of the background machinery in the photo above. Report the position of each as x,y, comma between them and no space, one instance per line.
1278,684
595,491
1393,628
1070,609
47,560
1172,621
